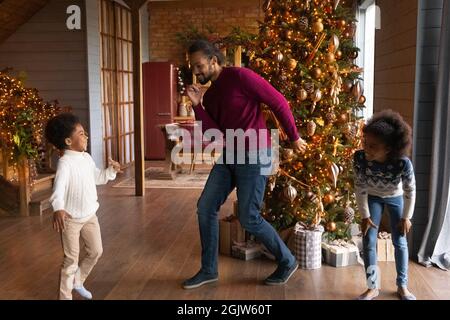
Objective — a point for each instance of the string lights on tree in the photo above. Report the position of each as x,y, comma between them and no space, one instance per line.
306,50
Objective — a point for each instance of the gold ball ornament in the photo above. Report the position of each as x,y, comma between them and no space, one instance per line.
343,117
316,138
329,57
288,154
298,165
316,73
288,34
331,226
317,26
328,198
302,94
338,54
353,54
350,30
331,68
292,64
342,23
362,99
318,157
304,53
348,85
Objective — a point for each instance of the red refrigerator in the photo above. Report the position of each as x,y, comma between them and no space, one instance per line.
159,80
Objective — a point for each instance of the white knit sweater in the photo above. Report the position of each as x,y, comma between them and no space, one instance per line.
74,190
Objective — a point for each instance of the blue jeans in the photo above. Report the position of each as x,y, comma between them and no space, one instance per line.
250,185
395,207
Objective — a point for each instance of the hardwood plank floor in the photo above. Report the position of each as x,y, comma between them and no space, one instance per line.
151,245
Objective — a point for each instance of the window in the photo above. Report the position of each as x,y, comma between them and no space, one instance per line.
117,81
368,16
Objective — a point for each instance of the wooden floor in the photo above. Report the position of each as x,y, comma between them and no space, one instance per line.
151,245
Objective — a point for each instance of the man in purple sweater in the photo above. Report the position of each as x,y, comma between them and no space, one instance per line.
233,102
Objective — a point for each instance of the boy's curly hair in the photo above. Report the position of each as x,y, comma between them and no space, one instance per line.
392,130
59,128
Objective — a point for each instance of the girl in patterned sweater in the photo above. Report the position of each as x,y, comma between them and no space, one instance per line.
384,176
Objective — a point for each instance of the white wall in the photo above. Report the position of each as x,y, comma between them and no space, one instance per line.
53,57
94,83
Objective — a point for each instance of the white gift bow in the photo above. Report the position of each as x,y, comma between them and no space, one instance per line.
302,226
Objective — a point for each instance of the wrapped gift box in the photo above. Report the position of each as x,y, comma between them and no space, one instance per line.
385,248
307,246
246,251
340,253
230,232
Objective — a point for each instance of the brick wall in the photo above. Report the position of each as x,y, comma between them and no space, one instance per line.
166,18
395,57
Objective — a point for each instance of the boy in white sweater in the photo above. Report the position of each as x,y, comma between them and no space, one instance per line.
74,202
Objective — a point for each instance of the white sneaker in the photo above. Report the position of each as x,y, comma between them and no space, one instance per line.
83,292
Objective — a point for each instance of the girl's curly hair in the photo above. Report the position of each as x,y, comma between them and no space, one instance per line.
392,130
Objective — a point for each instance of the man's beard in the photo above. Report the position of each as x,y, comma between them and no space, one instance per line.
204,80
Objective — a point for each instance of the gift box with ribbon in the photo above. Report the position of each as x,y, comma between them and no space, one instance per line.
339,253
385,248
307,246
246,250
230,232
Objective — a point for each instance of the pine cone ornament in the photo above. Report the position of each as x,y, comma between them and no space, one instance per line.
311,128
350,131
330,117
303,23
349,215
309,87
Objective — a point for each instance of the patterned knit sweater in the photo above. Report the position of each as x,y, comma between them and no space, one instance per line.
385,180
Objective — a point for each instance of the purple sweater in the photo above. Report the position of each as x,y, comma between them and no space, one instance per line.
233,102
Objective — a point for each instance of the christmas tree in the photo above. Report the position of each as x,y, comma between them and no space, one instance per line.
305,49
23,116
